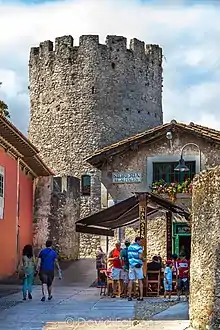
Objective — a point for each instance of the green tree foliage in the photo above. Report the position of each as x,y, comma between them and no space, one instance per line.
4,108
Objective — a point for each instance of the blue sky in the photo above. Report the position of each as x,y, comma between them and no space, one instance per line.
188,32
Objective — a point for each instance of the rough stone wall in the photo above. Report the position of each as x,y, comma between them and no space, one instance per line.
156,236
136,160
65,211
42,205
89,96
56,211
205,260
88,242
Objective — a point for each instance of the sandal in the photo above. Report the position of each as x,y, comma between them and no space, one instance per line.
140,299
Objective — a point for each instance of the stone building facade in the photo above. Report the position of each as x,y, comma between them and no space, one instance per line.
89,96
57,208
141,155
205,289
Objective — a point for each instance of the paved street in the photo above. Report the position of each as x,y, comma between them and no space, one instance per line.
75,305
69,305
74,308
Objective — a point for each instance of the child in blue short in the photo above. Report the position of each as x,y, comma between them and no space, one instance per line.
168,279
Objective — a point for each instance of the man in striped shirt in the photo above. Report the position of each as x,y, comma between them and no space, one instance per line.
135,258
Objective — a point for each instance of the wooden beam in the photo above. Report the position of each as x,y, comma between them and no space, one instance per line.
94,231
5,123
143,225
169,233
8,146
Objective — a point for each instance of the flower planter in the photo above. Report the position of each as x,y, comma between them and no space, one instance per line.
178,196
173,191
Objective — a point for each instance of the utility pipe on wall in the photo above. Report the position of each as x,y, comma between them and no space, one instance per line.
17,255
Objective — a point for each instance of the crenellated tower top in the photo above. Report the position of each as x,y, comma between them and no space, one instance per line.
65,46
91,95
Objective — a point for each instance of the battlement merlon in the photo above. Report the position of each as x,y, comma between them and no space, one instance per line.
137,46
113,42
65,45
89,40
154,52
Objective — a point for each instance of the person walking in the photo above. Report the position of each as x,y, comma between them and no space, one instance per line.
125,268
168,279
28,269
114,258
100,261
47,260
183,275
135,257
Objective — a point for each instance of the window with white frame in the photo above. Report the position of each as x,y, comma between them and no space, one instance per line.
2,188
166,171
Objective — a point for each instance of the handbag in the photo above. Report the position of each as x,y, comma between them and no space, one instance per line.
138,266
20,271
21,274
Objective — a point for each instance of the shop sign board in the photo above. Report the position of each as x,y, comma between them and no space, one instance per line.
126,177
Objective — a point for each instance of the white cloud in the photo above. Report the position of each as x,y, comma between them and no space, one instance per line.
208,120
12,83
189,37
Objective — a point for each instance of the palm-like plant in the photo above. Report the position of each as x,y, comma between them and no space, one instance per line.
4,108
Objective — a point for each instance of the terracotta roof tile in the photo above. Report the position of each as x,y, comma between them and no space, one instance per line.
23,147
149,135
131,139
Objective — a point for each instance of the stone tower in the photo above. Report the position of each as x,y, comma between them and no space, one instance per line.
89,96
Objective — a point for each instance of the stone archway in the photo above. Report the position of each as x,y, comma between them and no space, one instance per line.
205,252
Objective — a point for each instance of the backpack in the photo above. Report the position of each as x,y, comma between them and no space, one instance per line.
126,261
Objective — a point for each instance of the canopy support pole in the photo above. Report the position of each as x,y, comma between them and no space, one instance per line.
143,225
169,233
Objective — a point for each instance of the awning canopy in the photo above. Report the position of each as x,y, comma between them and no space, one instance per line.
125,213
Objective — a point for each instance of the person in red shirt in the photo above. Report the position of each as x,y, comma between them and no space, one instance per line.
114,257
183,275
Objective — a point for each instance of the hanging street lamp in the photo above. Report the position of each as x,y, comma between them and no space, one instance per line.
181,167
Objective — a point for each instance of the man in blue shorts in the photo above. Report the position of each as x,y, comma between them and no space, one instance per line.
135,258
168,279
47,260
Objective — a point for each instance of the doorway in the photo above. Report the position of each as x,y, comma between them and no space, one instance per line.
183,244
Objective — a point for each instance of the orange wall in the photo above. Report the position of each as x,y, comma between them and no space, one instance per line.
8,224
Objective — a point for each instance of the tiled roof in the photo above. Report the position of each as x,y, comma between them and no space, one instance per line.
21,146
205,132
